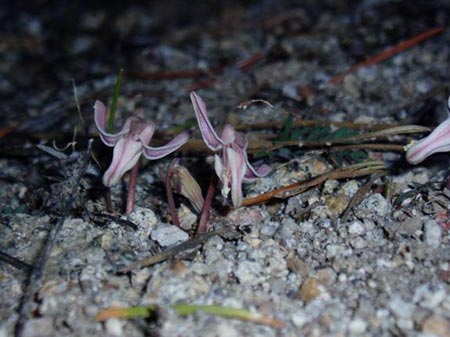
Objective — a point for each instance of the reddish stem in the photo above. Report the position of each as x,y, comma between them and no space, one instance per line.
170,198
108,200
206,209
132,189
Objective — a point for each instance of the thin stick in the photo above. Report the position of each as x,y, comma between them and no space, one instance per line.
169,193
34,280
132,189
206,209
370,146
246,64
25,267
387,54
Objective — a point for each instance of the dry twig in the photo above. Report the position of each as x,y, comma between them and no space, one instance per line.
351,171
387,54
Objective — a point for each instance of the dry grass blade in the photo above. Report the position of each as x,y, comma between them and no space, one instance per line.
395,131
351,171
370,146
228,312
299,123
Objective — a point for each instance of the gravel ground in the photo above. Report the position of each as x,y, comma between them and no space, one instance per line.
382,270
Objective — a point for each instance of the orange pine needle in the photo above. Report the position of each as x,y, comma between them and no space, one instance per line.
402,46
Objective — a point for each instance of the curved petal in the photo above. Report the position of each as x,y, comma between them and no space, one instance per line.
251,173
210,136
126,154
160,152
237,168
436,141
218,167
100,122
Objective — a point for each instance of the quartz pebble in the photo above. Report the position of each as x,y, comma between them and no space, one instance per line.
114,327
356,228
432,233
168,235
357,326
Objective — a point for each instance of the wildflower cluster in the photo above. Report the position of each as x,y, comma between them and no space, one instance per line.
231,162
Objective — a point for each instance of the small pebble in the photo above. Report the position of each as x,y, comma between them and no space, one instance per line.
143,217
405,324
436,326
356,228
299,319
168,235
357,326
410,225
401,308
114,327
432,233
311,289
187,218
433,299
39,327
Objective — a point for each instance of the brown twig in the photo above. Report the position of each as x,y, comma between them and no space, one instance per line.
370,146
246,64
387,54
351,171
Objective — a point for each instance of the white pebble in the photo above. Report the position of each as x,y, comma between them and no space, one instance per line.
168,235
356,228
299,319
401,308
432,233
357,326
433,299
114,327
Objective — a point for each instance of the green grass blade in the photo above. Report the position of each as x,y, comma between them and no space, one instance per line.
112,111
242,314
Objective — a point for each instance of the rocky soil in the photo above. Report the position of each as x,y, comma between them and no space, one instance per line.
318,263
